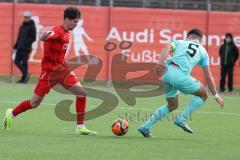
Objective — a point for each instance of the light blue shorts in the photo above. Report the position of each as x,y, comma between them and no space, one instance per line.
175,80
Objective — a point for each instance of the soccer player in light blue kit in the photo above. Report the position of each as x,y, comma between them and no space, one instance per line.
186,54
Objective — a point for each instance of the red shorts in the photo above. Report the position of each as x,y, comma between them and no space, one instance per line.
48,80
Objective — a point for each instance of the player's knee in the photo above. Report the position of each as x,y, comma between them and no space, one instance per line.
172,107
204,96
82,92
35,103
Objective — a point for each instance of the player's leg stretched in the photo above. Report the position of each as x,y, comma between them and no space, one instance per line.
22,107
158,115
81,99
199,98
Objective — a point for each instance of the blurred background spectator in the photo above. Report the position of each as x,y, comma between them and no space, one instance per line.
228,55
23,46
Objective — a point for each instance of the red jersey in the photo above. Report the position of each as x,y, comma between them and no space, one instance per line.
55,48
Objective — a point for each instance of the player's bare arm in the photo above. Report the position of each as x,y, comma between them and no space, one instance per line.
45,35
211,84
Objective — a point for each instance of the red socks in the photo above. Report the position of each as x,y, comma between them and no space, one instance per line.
22,107
80,109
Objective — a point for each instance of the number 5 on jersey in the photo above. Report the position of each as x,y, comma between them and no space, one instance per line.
192,49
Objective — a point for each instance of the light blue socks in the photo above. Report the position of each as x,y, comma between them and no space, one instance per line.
192,106
159,114
163,111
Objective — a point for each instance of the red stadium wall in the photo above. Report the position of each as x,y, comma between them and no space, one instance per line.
148,29
6,38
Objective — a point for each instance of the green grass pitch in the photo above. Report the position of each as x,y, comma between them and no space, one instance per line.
40,135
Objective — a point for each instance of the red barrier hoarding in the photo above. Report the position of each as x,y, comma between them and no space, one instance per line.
148,30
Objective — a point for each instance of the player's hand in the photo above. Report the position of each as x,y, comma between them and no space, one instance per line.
45,35
220,101
159,69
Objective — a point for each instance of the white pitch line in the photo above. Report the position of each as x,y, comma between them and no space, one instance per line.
7,102
220,113
135,108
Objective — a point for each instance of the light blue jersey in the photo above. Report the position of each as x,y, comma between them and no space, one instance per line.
188,53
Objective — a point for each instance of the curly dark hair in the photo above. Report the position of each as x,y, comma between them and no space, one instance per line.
195,31
72,13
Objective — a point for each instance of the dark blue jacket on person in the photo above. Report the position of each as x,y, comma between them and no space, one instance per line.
26,36
228,52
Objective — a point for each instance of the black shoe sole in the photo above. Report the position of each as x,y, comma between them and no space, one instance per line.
184,128
144,135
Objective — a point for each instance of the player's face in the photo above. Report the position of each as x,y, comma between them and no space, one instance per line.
72,23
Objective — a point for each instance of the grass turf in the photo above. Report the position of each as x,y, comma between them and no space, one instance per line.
39,134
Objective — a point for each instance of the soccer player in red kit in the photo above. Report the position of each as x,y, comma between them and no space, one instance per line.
55,70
